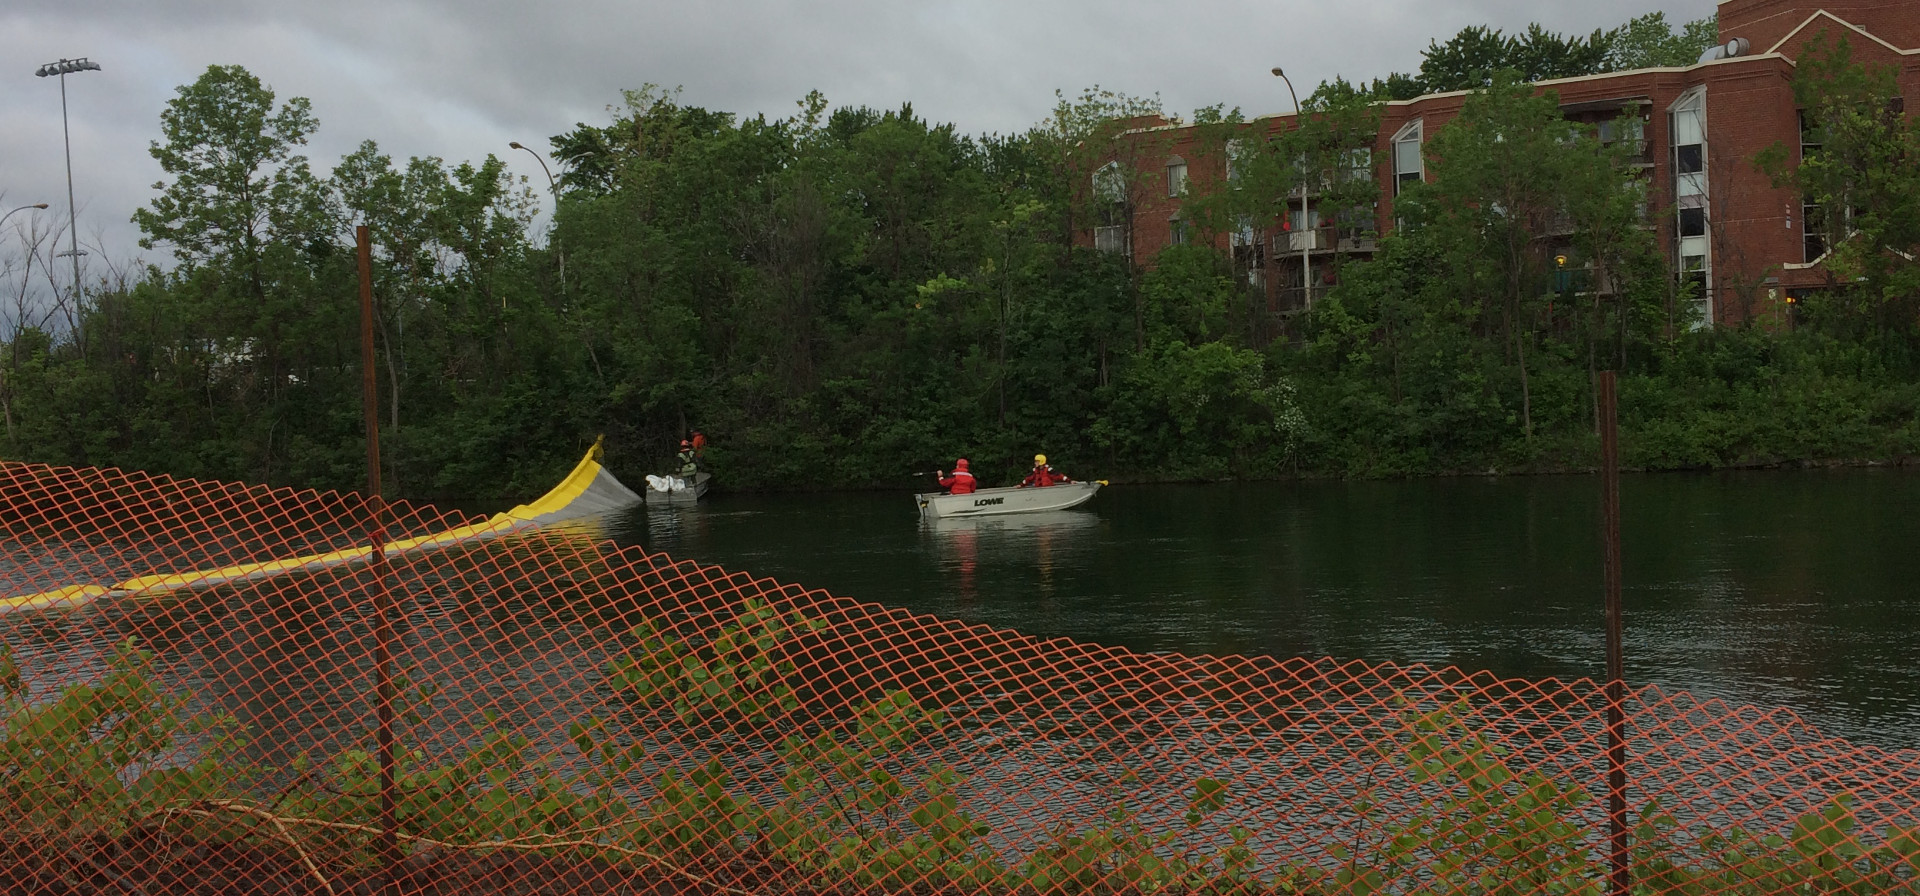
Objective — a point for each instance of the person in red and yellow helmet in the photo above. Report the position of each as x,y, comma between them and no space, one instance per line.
961,482
1043,475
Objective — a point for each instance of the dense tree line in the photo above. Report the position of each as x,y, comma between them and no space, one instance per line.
847,295
1472,58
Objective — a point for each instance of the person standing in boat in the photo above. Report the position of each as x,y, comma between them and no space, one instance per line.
689,462
1043,475
699,446
961,482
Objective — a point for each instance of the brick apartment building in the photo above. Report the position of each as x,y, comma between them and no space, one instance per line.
1696,130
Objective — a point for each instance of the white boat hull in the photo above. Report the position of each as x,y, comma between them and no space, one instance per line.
676,489
998,501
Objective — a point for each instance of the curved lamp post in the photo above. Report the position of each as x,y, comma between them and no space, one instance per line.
62,68
3,218
553,188
1306,221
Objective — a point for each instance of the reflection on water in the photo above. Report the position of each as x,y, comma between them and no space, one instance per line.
1785,588
957,544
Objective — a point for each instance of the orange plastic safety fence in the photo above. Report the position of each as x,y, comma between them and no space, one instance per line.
579,718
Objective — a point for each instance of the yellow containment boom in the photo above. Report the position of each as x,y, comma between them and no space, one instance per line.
587,492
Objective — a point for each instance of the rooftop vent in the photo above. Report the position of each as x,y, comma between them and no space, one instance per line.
1735,47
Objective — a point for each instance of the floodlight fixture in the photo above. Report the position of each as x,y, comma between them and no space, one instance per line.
62,68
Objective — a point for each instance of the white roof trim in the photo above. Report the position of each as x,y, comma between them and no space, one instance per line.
1856,28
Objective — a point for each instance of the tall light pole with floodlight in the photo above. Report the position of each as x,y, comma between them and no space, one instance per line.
553,188
1306,220
61,68
3,218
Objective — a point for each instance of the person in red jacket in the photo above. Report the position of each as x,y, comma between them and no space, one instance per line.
961,482
1043,475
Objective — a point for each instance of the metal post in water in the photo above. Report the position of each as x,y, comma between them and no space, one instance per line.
1619,878
382,597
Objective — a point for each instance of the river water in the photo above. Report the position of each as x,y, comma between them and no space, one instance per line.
1782,588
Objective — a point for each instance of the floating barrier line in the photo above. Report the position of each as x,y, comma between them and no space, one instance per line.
587,491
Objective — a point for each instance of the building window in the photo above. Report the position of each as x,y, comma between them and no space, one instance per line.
1407,166
1176,176
1357,164
1813,230
1687,121
1627,131
1109,185
1245,243
1242,234
1690,159
1176,232
1813,218
1299,219
1110,192
1693,222
1237,149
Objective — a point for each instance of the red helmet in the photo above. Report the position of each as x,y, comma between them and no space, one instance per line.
960,464
685,444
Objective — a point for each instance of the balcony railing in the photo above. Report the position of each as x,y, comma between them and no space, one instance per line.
1322,240
1297,241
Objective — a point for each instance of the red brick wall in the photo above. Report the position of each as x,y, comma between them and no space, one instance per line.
1756,228
1765,22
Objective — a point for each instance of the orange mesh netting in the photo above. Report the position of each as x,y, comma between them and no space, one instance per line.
574,717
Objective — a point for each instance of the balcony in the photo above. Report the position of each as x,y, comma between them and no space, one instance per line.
1323,240
1294,242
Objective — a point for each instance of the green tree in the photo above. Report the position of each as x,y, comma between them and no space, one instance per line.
1648,41
1330,147
1865,179
1469,325
238,184
1108,151
247,221
1471,59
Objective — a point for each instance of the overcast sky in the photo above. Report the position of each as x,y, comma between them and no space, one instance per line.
458,79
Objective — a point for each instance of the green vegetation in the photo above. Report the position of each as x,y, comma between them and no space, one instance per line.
846,294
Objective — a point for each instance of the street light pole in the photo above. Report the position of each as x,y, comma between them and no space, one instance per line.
1306,221
61,68
3,218
554,189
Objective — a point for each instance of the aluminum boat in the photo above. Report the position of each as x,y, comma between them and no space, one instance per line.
1012,499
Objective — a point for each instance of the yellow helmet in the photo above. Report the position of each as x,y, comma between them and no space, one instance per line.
1039,460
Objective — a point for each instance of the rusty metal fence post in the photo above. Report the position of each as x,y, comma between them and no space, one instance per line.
1619,878
382,596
